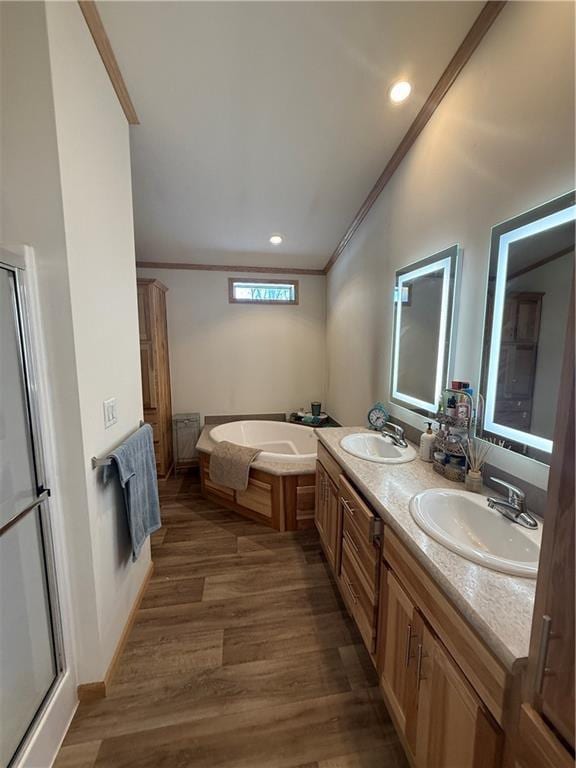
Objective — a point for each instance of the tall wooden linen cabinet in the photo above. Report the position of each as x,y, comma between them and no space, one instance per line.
547,717
155,365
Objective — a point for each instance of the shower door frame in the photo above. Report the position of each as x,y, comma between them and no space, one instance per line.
16,264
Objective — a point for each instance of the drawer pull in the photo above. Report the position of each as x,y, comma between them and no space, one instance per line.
350,589
347,506
351,541
408,644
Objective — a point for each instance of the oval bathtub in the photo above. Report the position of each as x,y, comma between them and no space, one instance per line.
278,440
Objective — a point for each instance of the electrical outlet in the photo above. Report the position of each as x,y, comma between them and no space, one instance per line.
110,412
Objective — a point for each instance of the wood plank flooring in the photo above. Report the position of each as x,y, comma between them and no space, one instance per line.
242,656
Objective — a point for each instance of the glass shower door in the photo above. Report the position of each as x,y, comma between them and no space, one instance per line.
30,657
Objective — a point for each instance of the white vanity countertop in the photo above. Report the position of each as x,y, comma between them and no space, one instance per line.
498,606
304,467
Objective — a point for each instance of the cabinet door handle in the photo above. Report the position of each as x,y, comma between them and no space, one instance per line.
351,541
350,589
408,644
419,666
541,668
347,506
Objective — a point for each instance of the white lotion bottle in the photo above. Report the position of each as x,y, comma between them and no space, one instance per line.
427,444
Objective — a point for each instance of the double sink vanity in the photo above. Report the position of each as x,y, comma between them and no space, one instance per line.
441,588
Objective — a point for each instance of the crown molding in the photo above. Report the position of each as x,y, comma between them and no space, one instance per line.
102,42
227,268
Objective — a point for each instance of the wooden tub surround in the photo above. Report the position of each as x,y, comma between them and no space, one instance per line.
284,502
279,495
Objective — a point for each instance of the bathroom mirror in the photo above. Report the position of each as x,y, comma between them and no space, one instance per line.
424,310
527,310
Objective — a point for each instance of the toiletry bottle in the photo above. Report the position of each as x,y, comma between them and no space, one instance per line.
427,443
463,408
451,406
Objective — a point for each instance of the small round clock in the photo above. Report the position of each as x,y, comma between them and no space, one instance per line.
377,416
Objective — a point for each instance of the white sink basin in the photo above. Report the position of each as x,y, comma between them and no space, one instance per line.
372,447
464,523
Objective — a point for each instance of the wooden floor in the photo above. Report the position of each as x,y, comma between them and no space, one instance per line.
242,656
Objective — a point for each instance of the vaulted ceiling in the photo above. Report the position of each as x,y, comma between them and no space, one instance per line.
268,117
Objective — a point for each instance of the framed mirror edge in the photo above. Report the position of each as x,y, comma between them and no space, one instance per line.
555,212
450,260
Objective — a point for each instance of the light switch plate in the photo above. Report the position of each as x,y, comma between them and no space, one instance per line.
110,412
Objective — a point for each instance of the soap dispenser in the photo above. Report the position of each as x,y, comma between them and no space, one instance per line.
427,444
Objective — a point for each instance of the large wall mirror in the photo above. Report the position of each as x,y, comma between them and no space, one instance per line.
527,311
424,311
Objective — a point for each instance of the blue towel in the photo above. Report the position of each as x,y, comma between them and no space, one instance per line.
137,472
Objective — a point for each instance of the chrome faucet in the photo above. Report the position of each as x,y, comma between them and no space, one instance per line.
514,508
395,433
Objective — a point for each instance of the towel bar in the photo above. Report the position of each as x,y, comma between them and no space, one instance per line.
106,461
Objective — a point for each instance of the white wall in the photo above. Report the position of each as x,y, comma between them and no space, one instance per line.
238,358
66,191
94,153
501,142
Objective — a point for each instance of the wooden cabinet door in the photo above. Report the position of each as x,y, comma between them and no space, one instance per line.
333,525
144,321
529,309
509,318
551,660
149,389
520,370
538,746
398,668
521,320
321,500
449,727
327,516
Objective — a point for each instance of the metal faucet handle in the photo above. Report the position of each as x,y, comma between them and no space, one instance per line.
514,493
397,429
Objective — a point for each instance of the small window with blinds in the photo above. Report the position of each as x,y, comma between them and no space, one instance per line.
244,291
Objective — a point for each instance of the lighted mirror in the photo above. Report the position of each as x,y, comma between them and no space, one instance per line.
424,310
527,310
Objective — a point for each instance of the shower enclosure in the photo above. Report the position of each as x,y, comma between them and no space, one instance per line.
31,651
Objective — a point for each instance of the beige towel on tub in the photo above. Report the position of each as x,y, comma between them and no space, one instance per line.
230,464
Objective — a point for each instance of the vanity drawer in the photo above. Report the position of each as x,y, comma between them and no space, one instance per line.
367,554
358,514
360,596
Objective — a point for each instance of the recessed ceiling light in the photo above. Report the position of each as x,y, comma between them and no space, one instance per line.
276,239
400,91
